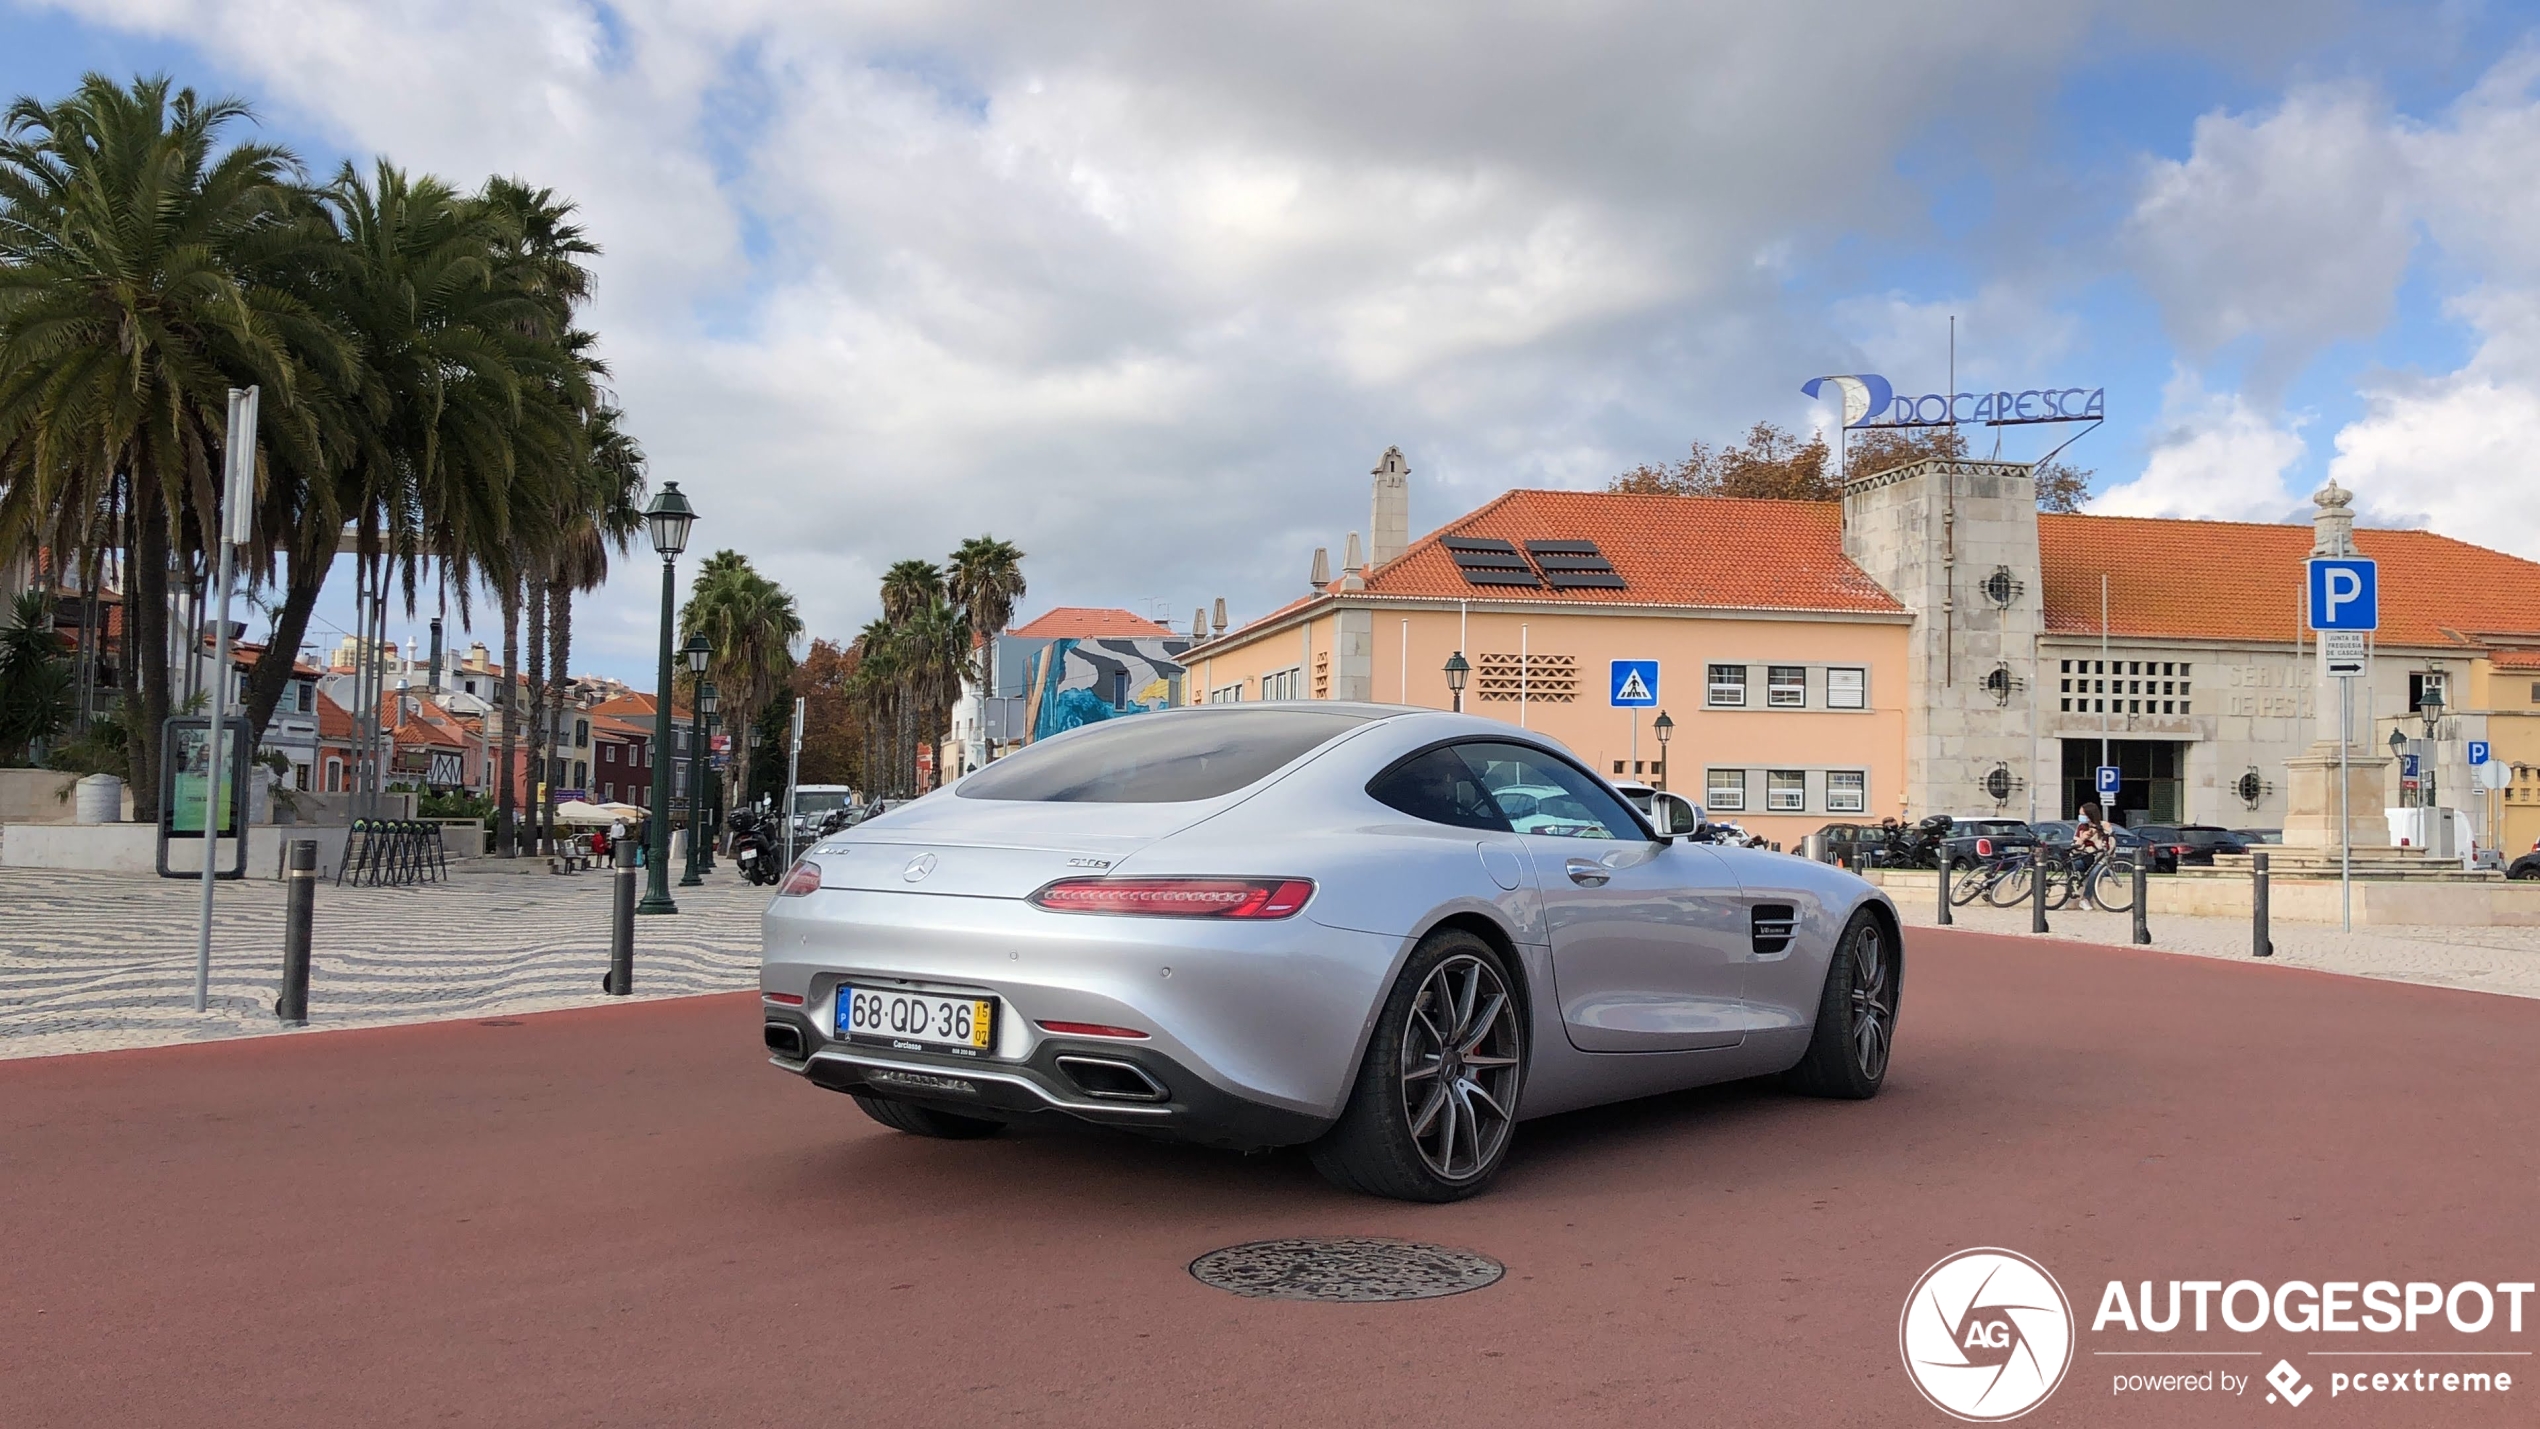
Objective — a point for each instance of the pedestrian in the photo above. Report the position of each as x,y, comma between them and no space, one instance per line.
600,846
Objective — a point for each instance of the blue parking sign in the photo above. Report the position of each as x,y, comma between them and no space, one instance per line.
1635,684
2477,751
2345,594
2108,781
2407,766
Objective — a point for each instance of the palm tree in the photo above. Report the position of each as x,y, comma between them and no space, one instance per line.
122,326
908,585
752,624
986,577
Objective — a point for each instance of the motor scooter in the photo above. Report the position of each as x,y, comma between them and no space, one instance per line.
754,849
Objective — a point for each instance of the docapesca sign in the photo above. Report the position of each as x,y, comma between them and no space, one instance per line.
1870,400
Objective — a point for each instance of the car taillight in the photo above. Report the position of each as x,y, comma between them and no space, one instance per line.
802,878
1984,848
1178,897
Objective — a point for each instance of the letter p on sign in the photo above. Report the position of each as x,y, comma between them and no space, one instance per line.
2345,594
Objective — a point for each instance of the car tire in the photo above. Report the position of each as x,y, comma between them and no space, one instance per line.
1382,1144
1839,1062
926,1121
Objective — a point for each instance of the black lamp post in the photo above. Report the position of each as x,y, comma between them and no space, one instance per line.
1457,672
1665,727
2430,709
2398,748
698,653
668,520
714,784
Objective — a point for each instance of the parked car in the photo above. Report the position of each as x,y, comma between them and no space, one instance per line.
2189,844
2527,866
1855,845
2255,837
1973,836
1356,955
1640,794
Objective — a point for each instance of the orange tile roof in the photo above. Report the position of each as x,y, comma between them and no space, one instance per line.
1705,551
334,721
2232,580
2514,659
1087,622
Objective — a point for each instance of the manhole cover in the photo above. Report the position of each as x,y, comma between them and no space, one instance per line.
1345,1268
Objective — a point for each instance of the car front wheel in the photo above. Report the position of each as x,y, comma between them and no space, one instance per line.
1436,1098
1856,1015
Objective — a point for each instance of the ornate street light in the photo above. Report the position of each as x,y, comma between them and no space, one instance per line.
1457,672
714,783
668,519
698,653
2430,709
1666,728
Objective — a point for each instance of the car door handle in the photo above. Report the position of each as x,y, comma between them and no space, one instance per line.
1588,873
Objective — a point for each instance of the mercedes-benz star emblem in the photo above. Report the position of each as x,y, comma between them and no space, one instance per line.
918,867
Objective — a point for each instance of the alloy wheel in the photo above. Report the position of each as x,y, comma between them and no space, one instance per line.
1873,1003
1461,1054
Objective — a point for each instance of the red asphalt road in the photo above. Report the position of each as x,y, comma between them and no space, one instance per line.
622,1216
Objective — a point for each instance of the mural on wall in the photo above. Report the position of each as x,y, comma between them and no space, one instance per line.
1076,682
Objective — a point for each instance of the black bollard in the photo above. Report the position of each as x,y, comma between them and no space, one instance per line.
2142,895
299,911
2260,945
1948,862
2037,889
621,978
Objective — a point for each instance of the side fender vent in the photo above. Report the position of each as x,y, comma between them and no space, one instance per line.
1775,925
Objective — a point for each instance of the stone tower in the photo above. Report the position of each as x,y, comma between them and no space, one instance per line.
1956,543
1389,531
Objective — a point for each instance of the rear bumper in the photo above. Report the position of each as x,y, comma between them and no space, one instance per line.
1101,1081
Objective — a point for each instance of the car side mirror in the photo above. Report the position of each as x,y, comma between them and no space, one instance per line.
1672,816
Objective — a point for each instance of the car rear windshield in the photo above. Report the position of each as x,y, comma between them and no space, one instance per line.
1159,759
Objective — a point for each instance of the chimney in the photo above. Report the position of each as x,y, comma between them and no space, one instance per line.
1199,626
1390,530
432,681
1321,575
1353,570
1220,620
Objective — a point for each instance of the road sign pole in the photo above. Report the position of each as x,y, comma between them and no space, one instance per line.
2345,830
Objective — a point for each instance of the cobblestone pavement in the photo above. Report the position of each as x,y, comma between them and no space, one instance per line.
2501,960
90,961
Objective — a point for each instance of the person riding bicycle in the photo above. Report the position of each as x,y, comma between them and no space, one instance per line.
2091,843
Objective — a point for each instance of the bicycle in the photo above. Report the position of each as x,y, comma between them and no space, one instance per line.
2011,887
2110,882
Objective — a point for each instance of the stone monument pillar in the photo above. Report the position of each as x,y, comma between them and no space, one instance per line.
2311,803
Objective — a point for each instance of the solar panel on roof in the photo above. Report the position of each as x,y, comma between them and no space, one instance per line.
1584,580
1565,548
1498,577
1574,565
1478,543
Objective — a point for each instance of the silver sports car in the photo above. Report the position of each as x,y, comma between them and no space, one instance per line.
1388,934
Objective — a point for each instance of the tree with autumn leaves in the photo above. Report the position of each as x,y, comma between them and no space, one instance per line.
1777,464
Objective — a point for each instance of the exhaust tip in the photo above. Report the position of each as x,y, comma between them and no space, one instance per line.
785,1040
1106,1079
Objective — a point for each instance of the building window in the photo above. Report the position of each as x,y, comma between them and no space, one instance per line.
608,754
1847,688
1725,788
1282,684
2535,692
1786,686
1728,687
1847,791
582,731
1786,791
581,774
1226,695
2422,683
300,777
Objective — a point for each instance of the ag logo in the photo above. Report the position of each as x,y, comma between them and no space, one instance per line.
1987,1334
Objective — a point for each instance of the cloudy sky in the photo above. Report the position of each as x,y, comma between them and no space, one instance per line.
1147,288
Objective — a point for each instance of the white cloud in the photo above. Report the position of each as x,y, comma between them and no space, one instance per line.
2459,453
2215,457
2292,228
1147,288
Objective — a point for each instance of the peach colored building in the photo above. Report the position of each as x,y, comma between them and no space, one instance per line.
1782,665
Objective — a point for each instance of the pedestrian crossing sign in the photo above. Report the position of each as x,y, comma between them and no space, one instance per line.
1635,684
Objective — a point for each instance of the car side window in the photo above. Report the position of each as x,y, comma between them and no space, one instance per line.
1544,795
1441,788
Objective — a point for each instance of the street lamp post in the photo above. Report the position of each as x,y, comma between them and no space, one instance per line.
1665,728
668,520
698,652
1457,672
714,782
2430,709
